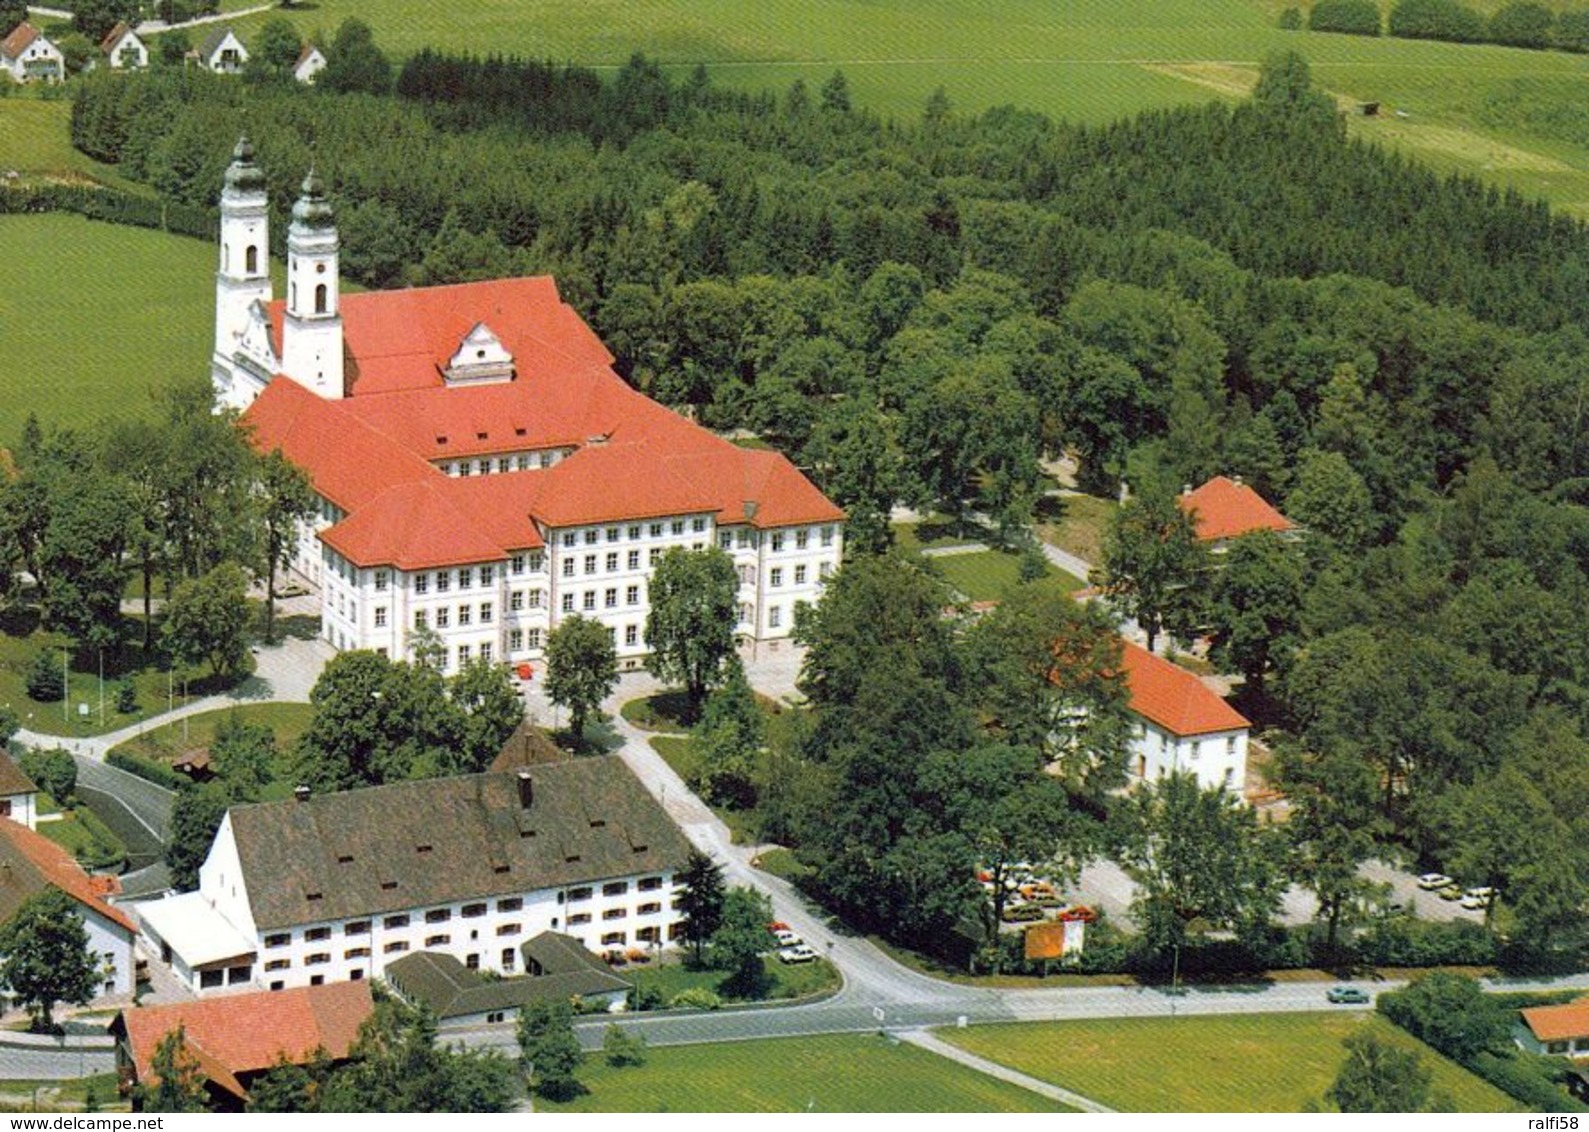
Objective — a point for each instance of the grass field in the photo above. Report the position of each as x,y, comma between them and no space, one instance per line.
35,142
849,1073
785,980
1080,527
1084,60
95,316
986,575
1245,1063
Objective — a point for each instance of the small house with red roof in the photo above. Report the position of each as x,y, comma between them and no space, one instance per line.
31,863
238,1038
123,50
1182,725
27,56
482,472
1561,1030
1224,508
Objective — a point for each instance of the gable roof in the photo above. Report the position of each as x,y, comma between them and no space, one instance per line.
240,1034
115,36
438,841
1173,698
1558,1023
12,780
31,863
1226,508
212,42
20,39
440,982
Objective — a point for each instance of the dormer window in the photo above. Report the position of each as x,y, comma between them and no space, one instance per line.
481,358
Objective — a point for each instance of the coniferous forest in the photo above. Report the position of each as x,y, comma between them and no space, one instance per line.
920,311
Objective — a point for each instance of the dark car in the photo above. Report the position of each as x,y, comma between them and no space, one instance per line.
1349,996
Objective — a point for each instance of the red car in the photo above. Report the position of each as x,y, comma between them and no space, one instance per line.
778,926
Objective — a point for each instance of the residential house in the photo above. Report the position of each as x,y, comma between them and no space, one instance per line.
222,52
18,795
481,472
309,65
1182,725
1225,509
123,50
237,1039
28,56
30,864
319,889
1561,1030
557,968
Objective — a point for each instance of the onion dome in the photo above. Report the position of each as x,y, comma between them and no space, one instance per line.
242,175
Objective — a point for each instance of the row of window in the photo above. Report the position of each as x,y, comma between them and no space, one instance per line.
593,535
609,599
397,920
777,540
519,462
466,615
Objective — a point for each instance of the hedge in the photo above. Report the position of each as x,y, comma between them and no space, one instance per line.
1436,19
1350,17
99,203
154,772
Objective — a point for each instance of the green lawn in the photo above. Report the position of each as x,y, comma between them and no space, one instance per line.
840,1073
785,980
678,751
1234,1063
21,641
97,315
986,575
1079,525
85,837
35,141
287,721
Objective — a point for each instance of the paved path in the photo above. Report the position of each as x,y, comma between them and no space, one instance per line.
926,1041
154,27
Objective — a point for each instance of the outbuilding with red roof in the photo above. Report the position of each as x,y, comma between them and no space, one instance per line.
27,56
1182,725
1225,508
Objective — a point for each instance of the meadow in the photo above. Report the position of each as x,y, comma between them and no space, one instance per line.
838,1073
96,317
1085,60
1230,1063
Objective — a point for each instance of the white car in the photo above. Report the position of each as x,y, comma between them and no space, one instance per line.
799,953
1475,898
1432,881
786,938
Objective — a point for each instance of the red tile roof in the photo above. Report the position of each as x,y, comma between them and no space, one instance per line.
1173,698
113,37
234,1035
30,862
1226,509
21,37
1559,1023
371,454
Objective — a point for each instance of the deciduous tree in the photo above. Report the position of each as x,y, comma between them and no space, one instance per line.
690,626
286,501
1153,565
45,957
740,941
548,1049
581,669
207,619
178,1077
1379,1077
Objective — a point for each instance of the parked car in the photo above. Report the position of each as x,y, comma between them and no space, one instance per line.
777,926
1475,898
1347,996
799,953
1038,892
786,938
1431,881
1451,892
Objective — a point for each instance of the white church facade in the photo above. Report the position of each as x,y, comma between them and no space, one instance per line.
482,472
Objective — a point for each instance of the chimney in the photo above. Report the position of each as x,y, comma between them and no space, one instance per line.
1236,480
526,789
1186,489
300,792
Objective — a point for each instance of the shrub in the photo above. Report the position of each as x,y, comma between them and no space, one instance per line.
1350,17
1451,1013
1436,19
46,682
126,697
623,1049
1531,1078
1418,943
1572,31
1291,19
696,998
1523,25
645,998
53,771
